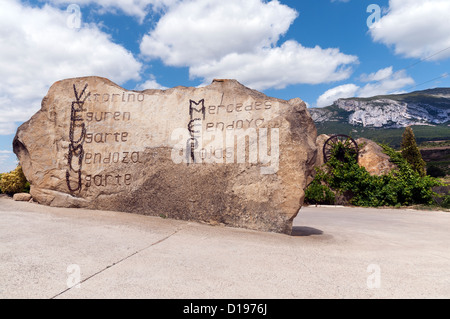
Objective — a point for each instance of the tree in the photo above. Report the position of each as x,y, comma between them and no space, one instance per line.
411,152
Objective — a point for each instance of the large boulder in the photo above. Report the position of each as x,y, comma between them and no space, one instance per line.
372,157
218,154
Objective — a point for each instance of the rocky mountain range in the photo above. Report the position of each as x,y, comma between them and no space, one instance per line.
429,107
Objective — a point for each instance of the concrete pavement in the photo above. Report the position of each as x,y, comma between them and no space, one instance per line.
335,252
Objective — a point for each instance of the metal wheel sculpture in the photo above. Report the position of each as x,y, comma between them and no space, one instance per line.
344,143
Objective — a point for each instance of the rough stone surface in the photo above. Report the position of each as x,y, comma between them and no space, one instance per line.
320,141
22,197
176,153
372,158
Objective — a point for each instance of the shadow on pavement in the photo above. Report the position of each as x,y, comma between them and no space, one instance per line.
304,231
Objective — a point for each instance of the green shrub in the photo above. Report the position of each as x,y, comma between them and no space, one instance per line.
13,182
411,186
446,201
402,186
318,192
27,187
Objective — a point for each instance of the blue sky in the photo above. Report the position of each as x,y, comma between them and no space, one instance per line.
318,50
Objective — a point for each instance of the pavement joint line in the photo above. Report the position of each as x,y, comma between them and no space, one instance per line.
116,263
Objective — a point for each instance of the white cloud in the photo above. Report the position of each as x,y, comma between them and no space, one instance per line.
416,28
206,30
39,48
382,82
7,128
388,85
339,92
8,161
150,84
377,76
291,63
239,39
136,8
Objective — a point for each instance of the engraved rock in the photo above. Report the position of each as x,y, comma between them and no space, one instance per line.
219,154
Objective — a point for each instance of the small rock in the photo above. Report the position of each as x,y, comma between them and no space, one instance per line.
22,197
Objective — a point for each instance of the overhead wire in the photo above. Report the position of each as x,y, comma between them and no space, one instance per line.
416,63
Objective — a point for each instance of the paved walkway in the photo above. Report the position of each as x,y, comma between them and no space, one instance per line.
333,253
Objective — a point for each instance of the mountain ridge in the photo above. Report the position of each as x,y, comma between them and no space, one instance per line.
426,107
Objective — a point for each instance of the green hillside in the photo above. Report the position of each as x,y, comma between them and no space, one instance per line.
391,136
434,139
334,119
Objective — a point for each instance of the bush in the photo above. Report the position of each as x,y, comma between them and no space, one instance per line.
13,182
403,186
411,186
446,201
318,192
